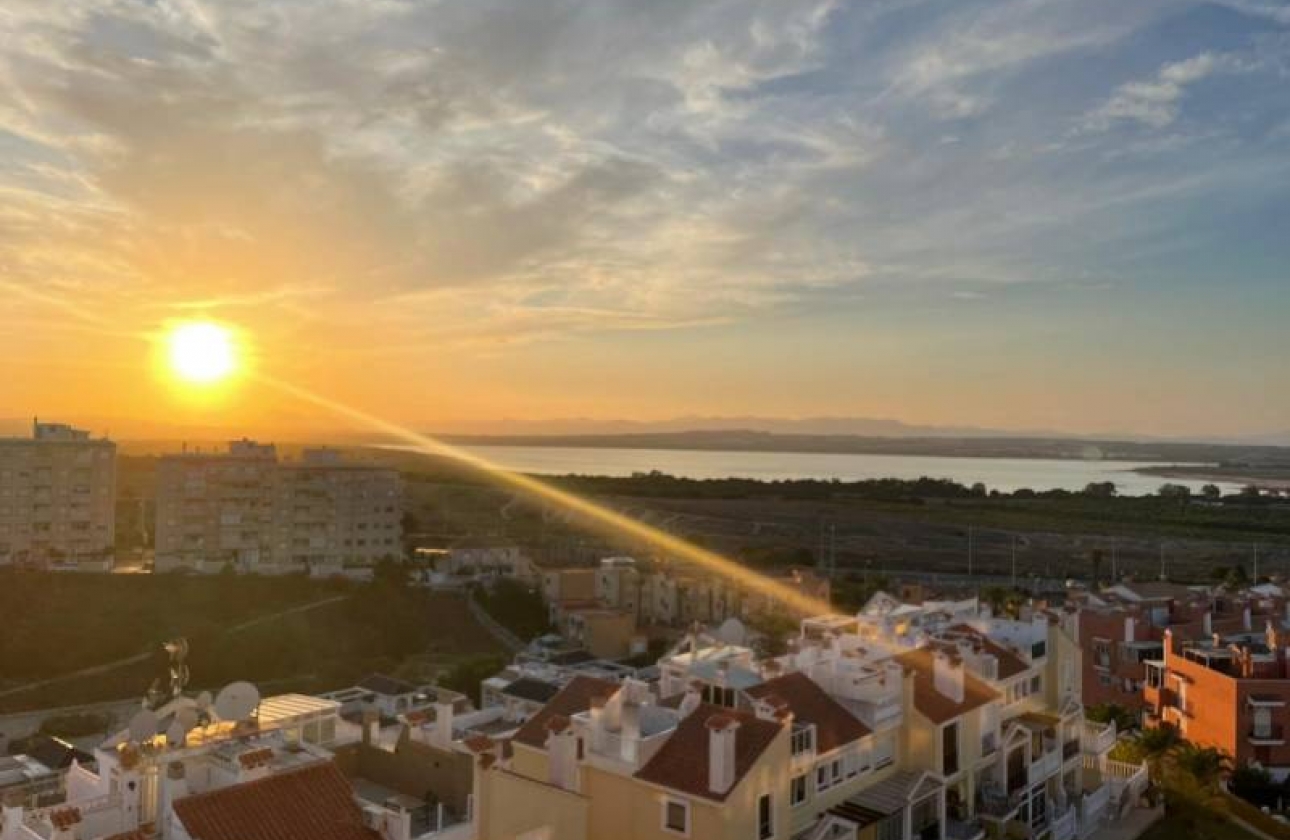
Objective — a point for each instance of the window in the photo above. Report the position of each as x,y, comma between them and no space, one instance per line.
950,749
676,816
1039,650
892,828
765,820
797,790
1036,684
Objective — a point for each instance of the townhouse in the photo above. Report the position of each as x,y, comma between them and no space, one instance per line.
905,721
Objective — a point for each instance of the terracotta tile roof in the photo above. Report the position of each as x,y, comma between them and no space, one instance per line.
834,725
255,758
1010,664
933,705
65,818
681,764
314,802
573,699
479,743
137,834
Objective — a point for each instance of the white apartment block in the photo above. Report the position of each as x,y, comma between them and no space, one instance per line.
247,508
57,499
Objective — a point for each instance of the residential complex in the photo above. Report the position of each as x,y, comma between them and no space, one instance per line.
246,509
1122,630
611,608
1229,691
57,499
904,721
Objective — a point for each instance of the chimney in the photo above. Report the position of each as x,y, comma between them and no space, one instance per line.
691,700
947,676
173,788
1245,617
396,824
1130,625
12,825
721,752
630,735
1207,624
598,730
441,735
371,727
562,753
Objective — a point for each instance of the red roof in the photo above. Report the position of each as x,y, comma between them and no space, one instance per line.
575,698
681,764
1010,664
834,725
314,802
933,705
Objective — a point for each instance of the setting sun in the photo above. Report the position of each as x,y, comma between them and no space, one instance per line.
202,352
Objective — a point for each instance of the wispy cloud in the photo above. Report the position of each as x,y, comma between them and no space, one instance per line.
1156,102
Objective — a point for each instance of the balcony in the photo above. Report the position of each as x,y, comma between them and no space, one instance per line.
1097,738
1070,749
1045,766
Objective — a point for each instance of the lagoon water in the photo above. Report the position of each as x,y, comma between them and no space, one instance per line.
1003,474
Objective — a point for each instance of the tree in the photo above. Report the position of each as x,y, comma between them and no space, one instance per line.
1100,489
466,676
1150,745
1197,768
1180,492
1123,718
1211,492
979,490
1254,784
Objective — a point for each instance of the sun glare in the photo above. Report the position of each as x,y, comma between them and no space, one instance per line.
202,353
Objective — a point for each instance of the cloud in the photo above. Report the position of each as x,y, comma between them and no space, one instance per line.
1156,103
530,170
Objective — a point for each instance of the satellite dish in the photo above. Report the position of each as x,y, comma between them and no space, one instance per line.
143,726
204,700
733,633
176,734
187,718
237,701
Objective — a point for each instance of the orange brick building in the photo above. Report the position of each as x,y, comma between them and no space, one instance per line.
1122,629
1227,692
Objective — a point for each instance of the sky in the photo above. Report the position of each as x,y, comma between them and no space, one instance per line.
1065,215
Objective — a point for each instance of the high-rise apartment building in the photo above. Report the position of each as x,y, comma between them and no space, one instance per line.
57,498
248,509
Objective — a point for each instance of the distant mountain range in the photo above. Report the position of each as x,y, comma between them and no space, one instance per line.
812,434
869,427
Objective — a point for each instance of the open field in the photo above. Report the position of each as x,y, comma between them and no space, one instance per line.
238,628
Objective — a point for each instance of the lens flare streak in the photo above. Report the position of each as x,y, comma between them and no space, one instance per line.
605,519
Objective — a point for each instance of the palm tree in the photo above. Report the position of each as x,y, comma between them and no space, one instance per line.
1203,765
1153,746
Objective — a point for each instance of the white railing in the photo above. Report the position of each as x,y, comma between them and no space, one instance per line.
1046,766
1096,738
1092,808
1063,827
